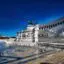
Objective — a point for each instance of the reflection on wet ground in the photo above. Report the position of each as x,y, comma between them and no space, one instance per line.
14,53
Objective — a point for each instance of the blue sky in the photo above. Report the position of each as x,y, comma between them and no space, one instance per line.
14,13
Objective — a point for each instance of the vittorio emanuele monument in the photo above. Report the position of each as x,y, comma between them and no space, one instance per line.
43,35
